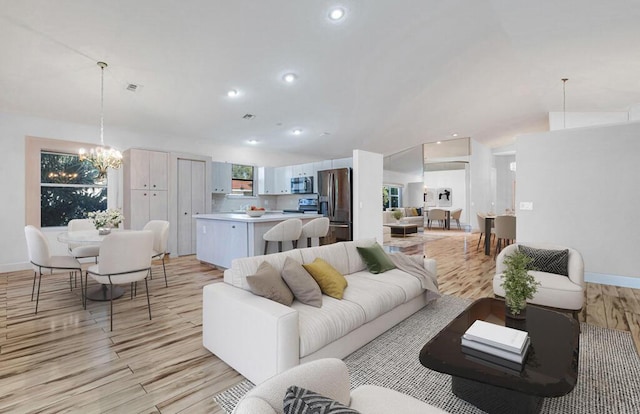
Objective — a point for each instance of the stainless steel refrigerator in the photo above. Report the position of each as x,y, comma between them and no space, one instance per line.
334,201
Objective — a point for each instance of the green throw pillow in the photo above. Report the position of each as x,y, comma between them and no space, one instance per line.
376,259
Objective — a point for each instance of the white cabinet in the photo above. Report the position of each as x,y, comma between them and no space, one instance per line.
321,165
221,177
145,195
342,163
266,181
148,169
282,180
191,201
302,170
219,242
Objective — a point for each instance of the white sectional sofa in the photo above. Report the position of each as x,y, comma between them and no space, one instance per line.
260,338
407,217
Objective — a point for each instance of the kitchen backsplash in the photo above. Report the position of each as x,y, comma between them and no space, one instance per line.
221,203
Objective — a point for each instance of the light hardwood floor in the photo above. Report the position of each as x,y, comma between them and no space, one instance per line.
65,359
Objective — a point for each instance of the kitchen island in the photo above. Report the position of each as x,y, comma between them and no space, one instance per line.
223,237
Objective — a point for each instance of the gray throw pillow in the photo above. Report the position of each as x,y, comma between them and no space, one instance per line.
301,283
298,400
268,283
549,261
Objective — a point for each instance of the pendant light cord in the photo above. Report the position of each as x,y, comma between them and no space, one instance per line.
564,102
102,66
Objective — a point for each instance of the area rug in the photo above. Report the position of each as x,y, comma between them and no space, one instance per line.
607,380
411,240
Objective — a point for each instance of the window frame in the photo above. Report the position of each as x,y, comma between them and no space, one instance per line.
33,148
391,196
44,184
252,181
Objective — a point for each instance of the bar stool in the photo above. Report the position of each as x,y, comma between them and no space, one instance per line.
288,230
316,228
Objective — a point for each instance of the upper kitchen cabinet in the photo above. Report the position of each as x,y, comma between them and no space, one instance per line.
303,170
148,169
266,181
282,180
221,177
342,163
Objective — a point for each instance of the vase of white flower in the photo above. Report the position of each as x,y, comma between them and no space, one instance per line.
105,220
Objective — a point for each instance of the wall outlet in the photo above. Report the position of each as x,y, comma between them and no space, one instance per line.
526,205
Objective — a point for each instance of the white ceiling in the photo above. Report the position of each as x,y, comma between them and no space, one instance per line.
389,76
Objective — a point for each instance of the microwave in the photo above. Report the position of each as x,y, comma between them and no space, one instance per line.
302,185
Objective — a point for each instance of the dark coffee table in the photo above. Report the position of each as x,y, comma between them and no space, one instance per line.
402,229
550,368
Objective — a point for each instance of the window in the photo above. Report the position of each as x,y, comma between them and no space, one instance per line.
391,196
67,189
242,179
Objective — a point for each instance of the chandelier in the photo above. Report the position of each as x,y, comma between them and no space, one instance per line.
101,157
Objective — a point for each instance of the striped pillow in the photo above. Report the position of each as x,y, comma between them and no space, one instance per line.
549,261
298,400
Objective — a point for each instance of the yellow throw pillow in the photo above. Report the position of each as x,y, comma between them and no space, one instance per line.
331,282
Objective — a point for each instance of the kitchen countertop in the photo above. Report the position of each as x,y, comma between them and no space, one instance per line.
246,219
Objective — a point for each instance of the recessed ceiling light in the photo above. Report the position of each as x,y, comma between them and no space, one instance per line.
454,134
253,141
297,131
290,77
336,14
439,142
232,93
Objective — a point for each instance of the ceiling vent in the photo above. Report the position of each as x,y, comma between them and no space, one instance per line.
132,87
248,116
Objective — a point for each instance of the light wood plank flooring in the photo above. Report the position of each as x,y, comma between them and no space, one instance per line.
65,359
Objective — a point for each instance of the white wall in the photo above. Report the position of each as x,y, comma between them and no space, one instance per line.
14,128
505,181
367,176
583,184
457,181
481,190
414,194
401,180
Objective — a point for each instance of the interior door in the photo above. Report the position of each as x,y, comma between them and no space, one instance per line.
184,208
197,197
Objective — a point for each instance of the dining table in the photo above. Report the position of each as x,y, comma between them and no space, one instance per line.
100,293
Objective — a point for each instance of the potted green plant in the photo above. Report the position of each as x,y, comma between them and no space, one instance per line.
518,284
397,214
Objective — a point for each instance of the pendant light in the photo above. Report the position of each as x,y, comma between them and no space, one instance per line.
101,157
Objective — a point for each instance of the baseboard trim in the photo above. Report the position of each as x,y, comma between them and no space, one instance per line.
14,267
615,280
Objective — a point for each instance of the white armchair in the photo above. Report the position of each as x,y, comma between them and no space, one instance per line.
555,291
330,378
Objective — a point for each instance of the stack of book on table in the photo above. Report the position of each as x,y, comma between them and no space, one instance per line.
495,345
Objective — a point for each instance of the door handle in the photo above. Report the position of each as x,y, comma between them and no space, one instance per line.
185,213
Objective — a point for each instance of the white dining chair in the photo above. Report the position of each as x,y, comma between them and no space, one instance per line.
505,231
125,258
455,215
42,261
81,251
315,229
437,214
288,230
160,230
